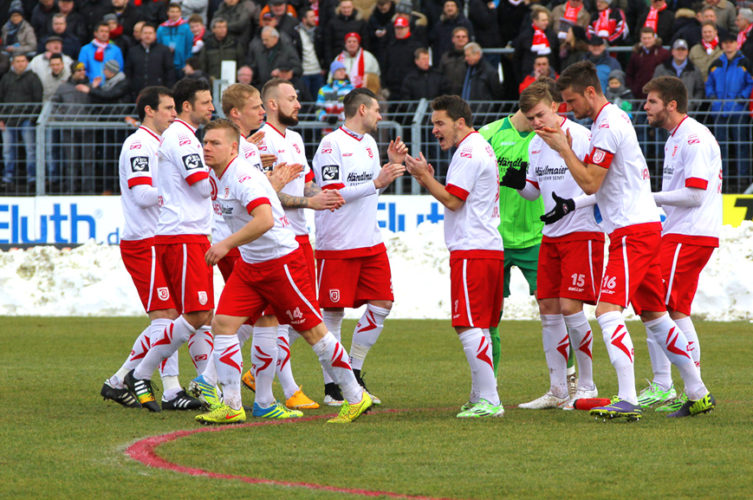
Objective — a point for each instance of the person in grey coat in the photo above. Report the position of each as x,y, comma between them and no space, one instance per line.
266,58
681,67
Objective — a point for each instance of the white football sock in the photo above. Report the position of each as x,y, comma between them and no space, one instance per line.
366,334
170,385
620,350
334,360
694,345
264,362
284,369
200,346
229,364
165,338
556,351
138,351
333,320
667,334
660,364
244,333
582,339
478,352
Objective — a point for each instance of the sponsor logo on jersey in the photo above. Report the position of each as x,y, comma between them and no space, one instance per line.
163,293
674,151
370,152
355,178
466,153
331,172
604,125
297,149
241,180
183,140
250,153
693,139
550,171
334,295
326,148
140,164
535,151
202,297
135,145
347,154
192,161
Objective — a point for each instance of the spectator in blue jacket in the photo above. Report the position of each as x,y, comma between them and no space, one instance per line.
176,34
96,53
730,84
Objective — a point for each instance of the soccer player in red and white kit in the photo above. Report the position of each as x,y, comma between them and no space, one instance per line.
571,257
138,168
616,172
182,237
352,264
281,105
272,271
691,196
471,200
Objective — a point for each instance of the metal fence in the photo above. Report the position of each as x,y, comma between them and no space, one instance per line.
74,149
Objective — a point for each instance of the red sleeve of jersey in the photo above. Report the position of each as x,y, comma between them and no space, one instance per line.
695,182
194,178
255,203
457,191
310,176
136,181
338,185
599,157
534,184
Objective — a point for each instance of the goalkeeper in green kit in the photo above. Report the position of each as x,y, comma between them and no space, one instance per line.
520,224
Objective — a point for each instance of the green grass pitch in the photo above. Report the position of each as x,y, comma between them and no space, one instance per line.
60,440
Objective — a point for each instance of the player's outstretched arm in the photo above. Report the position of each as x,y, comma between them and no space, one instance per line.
587,175
424,174
684,197
262,221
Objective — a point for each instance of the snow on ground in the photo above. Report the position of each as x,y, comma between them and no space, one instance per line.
91,281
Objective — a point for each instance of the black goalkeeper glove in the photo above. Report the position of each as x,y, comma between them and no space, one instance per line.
562,207
515,177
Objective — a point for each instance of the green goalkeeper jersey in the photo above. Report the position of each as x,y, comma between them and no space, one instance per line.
519,225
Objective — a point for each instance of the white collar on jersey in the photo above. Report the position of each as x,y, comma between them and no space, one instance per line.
350,132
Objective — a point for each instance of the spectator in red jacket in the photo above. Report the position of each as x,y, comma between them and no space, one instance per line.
541,67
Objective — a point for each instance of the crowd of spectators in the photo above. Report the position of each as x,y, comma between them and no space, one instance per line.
401,49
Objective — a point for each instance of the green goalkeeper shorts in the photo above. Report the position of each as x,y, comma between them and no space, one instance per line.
525,259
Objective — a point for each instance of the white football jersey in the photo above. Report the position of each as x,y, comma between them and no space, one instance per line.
344,160
138,166
248,153
239,190
548,172
182,208
473,176
692,159
288,148
624,197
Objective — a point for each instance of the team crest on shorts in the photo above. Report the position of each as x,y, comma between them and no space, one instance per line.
334,295
202,297
163,293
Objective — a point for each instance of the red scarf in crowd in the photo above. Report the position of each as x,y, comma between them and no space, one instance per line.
200,36
743,36
170,24
710,46
571,13
652,20
540,43
99,54
357,76
315,7
603,24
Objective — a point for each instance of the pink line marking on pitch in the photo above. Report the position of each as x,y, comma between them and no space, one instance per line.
144,451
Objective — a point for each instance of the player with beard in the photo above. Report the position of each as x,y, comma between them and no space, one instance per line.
271,272
691,197
352,264
138,170
471,201
182,239
616,172
281,104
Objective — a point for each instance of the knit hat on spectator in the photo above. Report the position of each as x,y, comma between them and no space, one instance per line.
53,38
110,17
596,41
353,34
404,7
680,44
727,36
16,7
77,65
112,65
335,66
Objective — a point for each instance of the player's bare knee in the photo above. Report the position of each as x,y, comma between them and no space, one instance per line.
549,306
314,335
568,307
266,321
384,304
651,315
606,307
198,318
171,314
